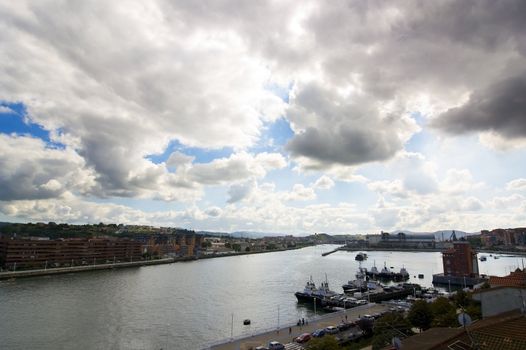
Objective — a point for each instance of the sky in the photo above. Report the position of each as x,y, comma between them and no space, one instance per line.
343,117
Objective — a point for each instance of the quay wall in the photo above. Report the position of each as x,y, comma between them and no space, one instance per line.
62,270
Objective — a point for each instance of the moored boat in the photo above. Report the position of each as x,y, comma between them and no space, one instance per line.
360,257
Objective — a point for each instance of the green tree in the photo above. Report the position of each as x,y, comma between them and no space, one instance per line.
325,343
388,326
444,313
236,247
461,298
420,315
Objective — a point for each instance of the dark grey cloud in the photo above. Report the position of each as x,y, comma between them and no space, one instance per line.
344,146
335,129
239,192
500,108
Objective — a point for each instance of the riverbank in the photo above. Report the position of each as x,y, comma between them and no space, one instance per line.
84,268
381,249
424,250
72,269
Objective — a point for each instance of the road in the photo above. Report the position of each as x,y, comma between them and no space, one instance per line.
282,335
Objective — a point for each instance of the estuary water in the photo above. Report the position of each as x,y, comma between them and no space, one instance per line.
186,305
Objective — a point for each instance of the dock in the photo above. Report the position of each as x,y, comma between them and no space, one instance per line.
332,251
282,334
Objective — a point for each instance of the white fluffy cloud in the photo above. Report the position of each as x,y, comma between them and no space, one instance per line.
115,83
516,185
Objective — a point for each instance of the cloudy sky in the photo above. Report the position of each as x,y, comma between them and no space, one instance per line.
276,116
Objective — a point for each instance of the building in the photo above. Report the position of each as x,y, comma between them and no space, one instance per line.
495,301
511,237
460,266
460,260
401,240
42,253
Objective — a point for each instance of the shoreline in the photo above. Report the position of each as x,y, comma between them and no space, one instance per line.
7,275
427,250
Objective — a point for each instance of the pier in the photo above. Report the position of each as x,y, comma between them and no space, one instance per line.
332,251
282,334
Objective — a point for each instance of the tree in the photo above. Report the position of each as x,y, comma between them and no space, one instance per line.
324,343
461,298
236,247
388,326
444,313
420,315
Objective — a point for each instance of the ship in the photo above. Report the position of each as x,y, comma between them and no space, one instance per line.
310,293
387,274
360,257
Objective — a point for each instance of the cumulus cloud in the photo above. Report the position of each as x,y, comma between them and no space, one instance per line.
31,170
335,130
6,110
516,185
324,183
499,108
237,167
123,81
239,192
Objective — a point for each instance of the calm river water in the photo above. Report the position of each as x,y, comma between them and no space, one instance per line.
185,305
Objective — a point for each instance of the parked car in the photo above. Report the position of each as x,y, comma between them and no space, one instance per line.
303,338
331,330
261,348
275,345
318,333
344,326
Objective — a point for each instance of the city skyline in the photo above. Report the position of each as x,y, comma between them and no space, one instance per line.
341,117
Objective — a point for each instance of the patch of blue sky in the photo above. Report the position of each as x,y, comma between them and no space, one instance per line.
282,92
14,120
274,137
201,155
420,139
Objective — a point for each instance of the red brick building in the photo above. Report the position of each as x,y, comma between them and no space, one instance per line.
460,260
39,253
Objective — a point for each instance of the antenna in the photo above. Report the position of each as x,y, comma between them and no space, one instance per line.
397,343
464,319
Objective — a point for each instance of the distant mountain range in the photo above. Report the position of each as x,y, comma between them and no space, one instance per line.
439,235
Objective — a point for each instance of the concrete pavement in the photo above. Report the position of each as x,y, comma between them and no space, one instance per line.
282,335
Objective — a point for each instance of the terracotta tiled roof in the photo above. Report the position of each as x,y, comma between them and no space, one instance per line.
514,279
506,331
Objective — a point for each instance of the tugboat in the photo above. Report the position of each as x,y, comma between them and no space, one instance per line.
360,257
357,284
403,273
310,292
387,274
